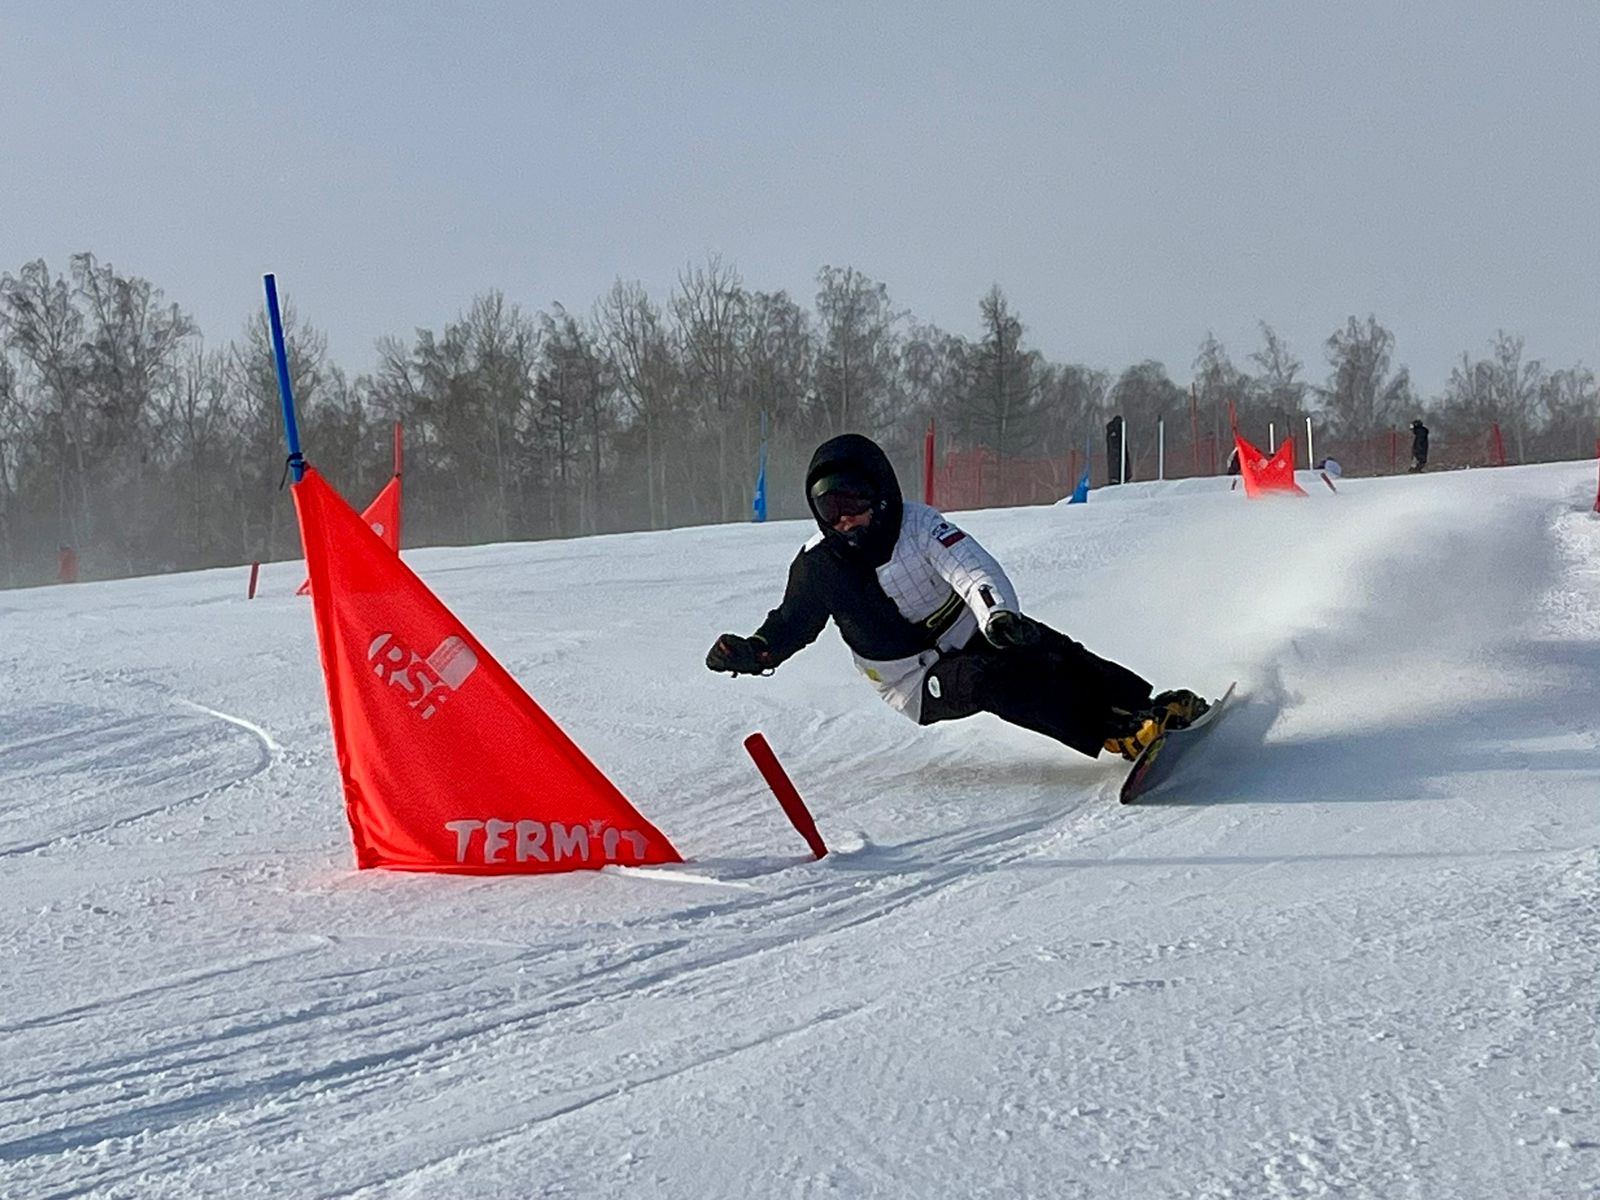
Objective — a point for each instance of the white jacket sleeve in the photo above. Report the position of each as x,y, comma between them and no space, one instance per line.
970,569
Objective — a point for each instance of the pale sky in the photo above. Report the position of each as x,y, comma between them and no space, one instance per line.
1132,175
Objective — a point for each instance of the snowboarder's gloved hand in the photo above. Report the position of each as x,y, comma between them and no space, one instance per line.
739,655
1010,630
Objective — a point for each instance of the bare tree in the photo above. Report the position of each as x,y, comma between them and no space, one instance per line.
1570,404
1279,383
1074,400
859,357
711,311
647,375
501,345
1221,389
572,392
12,437
933,376
256,420
1145,395
194,424
131,351
779,369
45,329
1003,379
1516,388
1499,390
1362,397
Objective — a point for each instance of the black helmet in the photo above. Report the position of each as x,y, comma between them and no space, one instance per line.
851,474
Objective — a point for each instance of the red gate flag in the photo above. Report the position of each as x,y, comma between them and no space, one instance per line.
382,517
447,764
1262,474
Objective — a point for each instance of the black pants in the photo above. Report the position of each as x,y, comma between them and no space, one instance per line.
1056,688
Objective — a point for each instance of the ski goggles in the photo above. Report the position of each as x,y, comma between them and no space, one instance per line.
840,501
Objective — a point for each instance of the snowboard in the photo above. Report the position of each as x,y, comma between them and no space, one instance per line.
1160,760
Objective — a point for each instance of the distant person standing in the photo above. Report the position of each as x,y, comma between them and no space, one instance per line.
1118,468
1419,445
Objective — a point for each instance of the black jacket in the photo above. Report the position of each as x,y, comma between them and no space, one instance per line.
831,578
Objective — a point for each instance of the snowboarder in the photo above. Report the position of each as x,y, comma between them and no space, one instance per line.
934,623
1419,445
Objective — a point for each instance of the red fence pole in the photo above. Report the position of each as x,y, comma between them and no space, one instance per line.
1194,430
788,797
255,573
1499,445
927,468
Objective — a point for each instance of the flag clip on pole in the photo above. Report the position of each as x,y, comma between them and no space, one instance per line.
281,357
788,797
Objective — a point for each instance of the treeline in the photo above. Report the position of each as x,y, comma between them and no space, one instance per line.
128,437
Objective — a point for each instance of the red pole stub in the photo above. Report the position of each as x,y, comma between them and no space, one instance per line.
788,798
255,573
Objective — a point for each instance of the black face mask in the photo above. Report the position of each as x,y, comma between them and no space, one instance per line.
855,538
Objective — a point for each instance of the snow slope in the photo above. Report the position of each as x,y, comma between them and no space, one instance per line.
1356,956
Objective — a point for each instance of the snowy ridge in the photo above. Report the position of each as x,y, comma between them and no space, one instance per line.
1356,957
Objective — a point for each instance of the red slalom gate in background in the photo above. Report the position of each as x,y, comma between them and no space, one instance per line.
783,788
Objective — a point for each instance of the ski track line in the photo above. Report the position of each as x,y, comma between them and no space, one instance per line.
104,736
1017,841
273,748
161,986
440,1039
599,1096
429,1043
1080,999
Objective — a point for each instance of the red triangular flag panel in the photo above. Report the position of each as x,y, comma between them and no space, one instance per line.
382,517
447,764
1262,474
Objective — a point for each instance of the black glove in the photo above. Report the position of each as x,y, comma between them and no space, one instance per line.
1011,631
739,655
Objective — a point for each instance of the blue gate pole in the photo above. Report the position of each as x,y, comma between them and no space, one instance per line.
759,504
285,392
